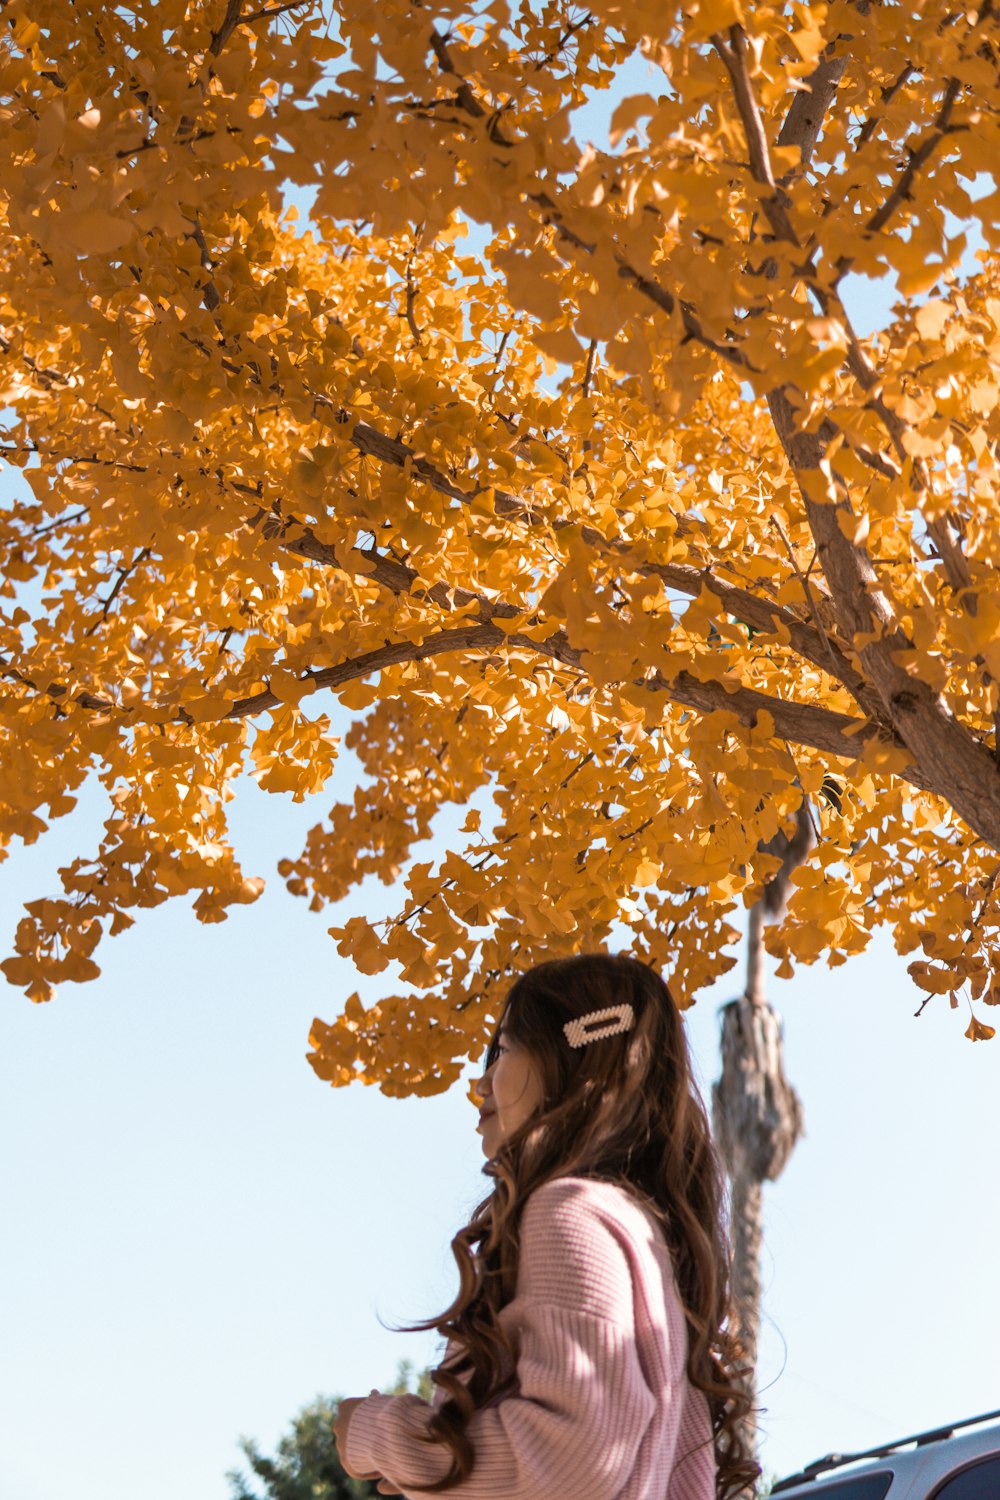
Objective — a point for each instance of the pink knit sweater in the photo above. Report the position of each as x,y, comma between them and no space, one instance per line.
603,1409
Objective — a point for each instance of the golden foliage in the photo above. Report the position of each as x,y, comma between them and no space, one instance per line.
605,507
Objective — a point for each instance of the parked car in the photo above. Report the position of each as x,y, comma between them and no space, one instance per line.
947,1463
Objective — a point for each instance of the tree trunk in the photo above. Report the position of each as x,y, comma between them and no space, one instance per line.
758,1119
755,955
747,1236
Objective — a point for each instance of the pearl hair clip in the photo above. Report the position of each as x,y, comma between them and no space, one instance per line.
578,1034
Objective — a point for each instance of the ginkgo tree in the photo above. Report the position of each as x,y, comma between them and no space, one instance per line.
603,510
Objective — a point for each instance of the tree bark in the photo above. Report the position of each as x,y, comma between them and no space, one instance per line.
758,1119
747,1197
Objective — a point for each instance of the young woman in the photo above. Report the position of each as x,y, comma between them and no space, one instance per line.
589,1351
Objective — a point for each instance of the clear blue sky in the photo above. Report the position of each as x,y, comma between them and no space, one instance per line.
200,1237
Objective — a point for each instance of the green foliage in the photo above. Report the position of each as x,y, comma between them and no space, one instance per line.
404,1376
305,1465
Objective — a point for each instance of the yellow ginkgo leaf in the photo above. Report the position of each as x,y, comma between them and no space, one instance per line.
96,232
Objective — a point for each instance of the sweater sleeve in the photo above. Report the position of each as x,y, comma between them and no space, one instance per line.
573,1430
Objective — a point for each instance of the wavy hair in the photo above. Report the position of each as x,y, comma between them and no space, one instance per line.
624,1109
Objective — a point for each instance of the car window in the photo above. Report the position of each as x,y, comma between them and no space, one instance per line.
980,1481
860,1487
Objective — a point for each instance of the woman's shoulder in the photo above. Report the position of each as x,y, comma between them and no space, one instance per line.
587,1204
584,1241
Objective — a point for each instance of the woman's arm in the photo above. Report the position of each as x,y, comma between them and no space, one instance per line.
574,1429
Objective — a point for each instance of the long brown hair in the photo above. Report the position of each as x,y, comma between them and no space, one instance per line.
624,1109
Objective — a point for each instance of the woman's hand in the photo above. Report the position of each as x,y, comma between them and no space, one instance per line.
342,1423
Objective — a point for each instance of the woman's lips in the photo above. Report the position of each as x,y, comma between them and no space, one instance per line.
484,1114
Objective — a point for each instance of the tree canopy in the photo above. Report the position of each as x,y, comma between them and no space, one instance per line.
560,464
306,1464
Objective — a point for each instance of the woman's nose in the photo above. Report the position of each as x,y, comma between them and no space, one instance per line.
479,1087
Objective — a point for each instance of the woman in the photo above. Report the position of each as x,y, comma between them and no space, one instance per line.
588,1356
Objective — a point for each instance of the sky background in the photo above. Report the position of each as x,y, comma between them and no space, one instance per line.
200,1237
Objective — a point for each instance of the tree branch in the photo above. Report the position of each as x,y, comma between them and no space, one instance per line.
646,285
412,293
803,724
268,13
210,291
813,645
804,121
800,723
234,14
956,763
917,156
774,205
886,96
123,575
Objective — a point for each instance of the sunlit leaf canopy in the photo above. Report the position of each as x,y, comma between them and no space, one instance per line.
603,508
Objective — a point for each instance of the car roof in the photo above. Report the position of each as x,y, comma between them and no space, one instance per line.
907,1455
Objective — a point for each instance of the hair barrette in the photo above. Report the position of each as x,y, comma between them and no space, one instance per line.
579,1031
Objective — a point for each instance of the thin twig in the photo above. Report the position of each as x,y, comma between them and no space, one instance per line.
274,10
886,97
552,214
917,157
804,580
412,293
123,575
588,373
210,292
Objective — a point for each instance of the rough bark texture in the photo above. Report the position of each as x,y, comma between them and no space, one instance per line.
748,1233
758,1119
756,1113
